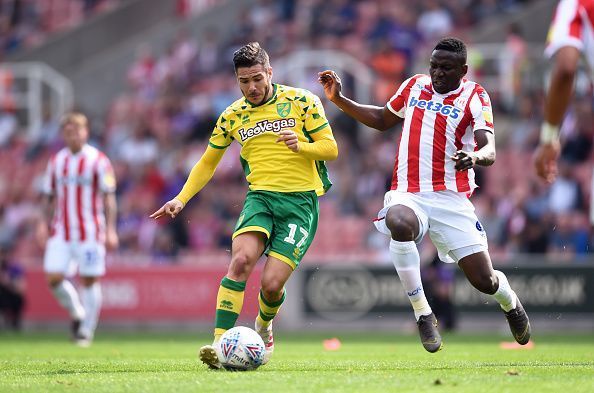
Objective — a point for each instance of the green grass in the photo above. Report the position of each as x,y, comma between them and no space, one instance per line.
131,362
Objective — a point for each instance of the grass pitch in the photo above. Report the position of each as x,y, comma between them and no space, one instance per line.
131,362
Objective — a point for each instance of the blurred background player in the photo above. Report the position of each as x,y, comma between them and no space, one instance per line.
444,114
570,37
285,139
80,207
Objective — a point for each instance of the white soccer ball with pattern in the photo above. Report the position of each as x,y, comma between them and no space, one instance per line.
242,349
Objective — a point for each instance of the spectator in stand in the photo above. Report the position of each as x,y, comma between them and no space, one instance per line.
434,21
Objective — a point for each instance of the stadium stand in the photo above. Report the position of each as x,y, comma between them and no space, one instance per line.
157,126
25,23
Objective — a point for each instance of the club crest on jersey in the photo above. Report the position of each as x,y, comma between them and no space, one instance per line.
479,227
283,109
438,107
460,102
266,126
484,96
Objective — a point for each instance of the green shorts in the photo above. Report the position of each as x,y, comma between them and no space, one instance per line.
289,220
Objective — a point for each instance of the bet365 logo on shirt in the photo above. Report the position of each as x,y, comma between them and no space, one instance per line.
446,110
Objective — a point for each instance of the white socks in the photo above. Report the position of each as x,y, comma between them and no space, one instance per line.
505,296
91,299
67,296
407,262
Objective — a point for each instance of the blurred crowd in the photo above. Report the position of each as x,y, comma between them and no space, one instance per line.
28,23
157,129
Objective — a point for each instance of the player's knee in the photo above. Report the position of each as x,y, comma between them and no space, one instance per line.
486,283
566,69
240,266
87,281
401,228
272,288
53,280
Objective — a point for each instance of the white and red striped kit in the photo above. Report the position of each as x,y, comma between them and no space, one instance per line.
79,182
573,25
425,179
435,127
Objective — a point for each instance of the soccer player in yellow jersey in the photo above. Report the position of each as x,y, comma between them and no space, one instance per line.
285,139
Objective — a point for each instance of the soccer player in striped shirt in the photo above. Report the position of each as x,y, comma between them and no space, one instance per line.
285,139
80,219
447,130
570,37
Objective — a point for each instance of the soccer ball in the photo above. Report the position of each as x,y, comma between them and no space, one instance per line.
242,349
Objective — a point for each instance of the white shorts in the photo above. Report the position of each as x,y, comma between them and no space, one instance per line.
449,218
64,257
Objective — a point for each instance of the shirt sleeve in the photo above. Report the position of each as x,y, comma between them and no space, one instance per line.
221,134
314,114
323,147
481,111
201,173
397,104
107,180
566,28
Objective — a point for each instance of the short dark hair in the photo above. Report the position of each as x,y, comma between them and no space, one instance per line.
452,44
250,55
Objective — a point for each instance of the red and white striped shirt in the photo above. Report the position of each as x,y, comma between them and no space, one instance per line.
573,25
435,127
79,181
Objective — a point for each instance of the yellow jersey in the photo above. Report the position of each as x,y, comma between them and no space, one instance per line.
268,165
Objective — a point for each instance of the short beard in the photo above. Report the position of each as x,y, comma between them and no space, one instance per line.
265,98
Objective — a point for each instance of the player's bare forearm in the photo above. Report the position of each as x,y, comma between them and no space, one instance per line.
370,115
111,211
561,84
47,209
42,229
486,154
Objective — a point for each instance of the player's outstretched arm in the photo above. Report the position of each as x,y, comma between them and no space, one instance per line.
556,103
370,115
201,173
561,84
